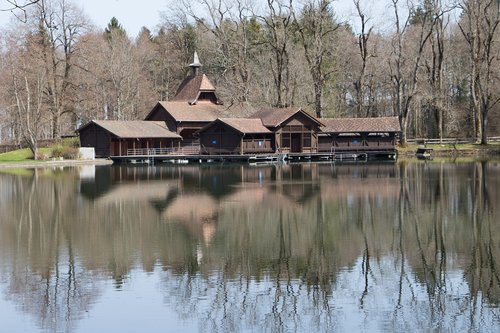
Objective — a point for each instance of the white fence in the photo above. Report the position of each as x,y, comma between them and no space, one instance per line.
450,141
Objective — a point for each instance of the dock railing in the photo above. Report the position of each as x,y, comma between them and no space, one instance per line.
183,150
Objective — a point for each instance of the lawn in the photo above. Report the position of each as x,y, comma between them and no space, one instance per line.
448,146
21,155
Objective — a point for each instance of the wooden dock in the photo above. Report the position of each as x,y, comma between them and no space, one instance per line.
256,158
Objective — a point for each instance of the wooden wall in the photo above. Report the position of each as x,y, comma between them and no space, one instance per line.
97,137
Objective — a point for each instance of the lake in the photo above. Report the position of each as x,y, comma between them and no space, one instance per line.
375,247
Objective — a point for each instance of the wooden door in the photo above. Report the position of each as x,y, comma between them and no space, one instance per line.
296,144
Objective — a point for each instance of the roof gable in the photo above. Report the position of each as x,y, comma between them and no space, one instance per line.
277,116
185,112
242,125
194,88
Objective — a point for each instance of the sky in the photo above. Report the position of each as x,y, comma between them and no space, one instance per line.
133,14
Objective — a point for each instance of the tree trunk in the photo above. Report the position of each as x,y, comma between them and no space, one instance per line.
403,122
484,125
55,125
318,93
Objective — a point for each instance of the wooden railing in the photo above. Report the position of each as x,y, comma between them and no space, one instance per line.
186,150
235,151
360,146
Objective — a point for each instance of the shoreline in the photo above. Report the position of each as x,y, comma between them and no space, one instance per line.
452,153
51,164
401,152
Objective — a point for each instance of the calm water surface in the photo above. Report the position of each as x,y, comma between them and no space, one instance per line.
292,248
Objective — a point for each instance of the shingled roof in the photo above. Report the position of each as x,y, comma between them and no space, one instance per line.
243,125
135,128
192,87
275,117
361,125
183,111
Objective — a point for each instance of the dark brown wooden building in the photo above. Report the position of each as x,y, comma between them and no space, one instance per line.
194,106
236,136
295,131
123,138
189,122
359,134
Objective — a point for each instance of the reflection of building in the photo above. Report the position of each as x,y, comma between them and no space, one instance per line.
190,126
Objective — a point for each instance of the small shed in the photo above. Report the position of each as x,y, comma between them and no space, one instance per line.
295,131
236,136
124,138
359,134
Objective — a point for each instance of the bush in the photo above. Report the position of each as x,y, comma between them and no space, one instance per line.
71,142
70,153
57,151
41,156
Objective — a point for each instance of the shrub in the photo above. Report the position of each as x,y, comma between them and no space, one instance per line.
57,151
73,142
70,153
41,156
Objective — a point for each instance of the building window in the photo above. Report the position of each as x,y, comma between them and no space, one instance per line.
306,140
285,141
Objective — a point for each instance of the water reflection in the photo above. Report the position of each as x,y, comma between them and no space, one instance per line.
407,246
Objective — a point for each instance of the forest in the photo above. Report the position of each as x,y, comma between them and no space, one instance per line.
436,68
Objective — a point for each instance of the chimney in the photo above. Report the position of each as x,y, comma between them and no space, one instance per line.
195,66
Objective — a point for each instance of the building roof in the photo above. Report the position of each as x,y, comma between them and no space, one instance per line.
183,111
361,125
275,117
191,88
246,125
135,128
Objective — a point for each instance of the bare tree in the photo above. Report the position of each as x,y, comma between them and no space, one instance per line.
435,68
278,24
61,24
18,8
24,83
360,83
230,23
404,67
479,25
316,27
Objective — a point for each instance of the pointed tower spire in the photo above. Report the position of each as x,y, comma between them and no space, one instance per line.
196,64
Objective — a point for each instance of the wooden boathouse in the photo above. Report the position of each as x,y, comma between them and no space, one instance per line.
189,127
111,138
370,135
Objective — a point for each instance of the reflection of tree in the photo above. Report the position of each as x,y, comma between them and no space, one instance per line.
482,274
44,274
252,255
443,215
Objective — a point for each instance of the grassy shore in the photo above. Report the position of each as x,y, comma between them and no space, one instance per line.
64,153
454,150
21,156
24,157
